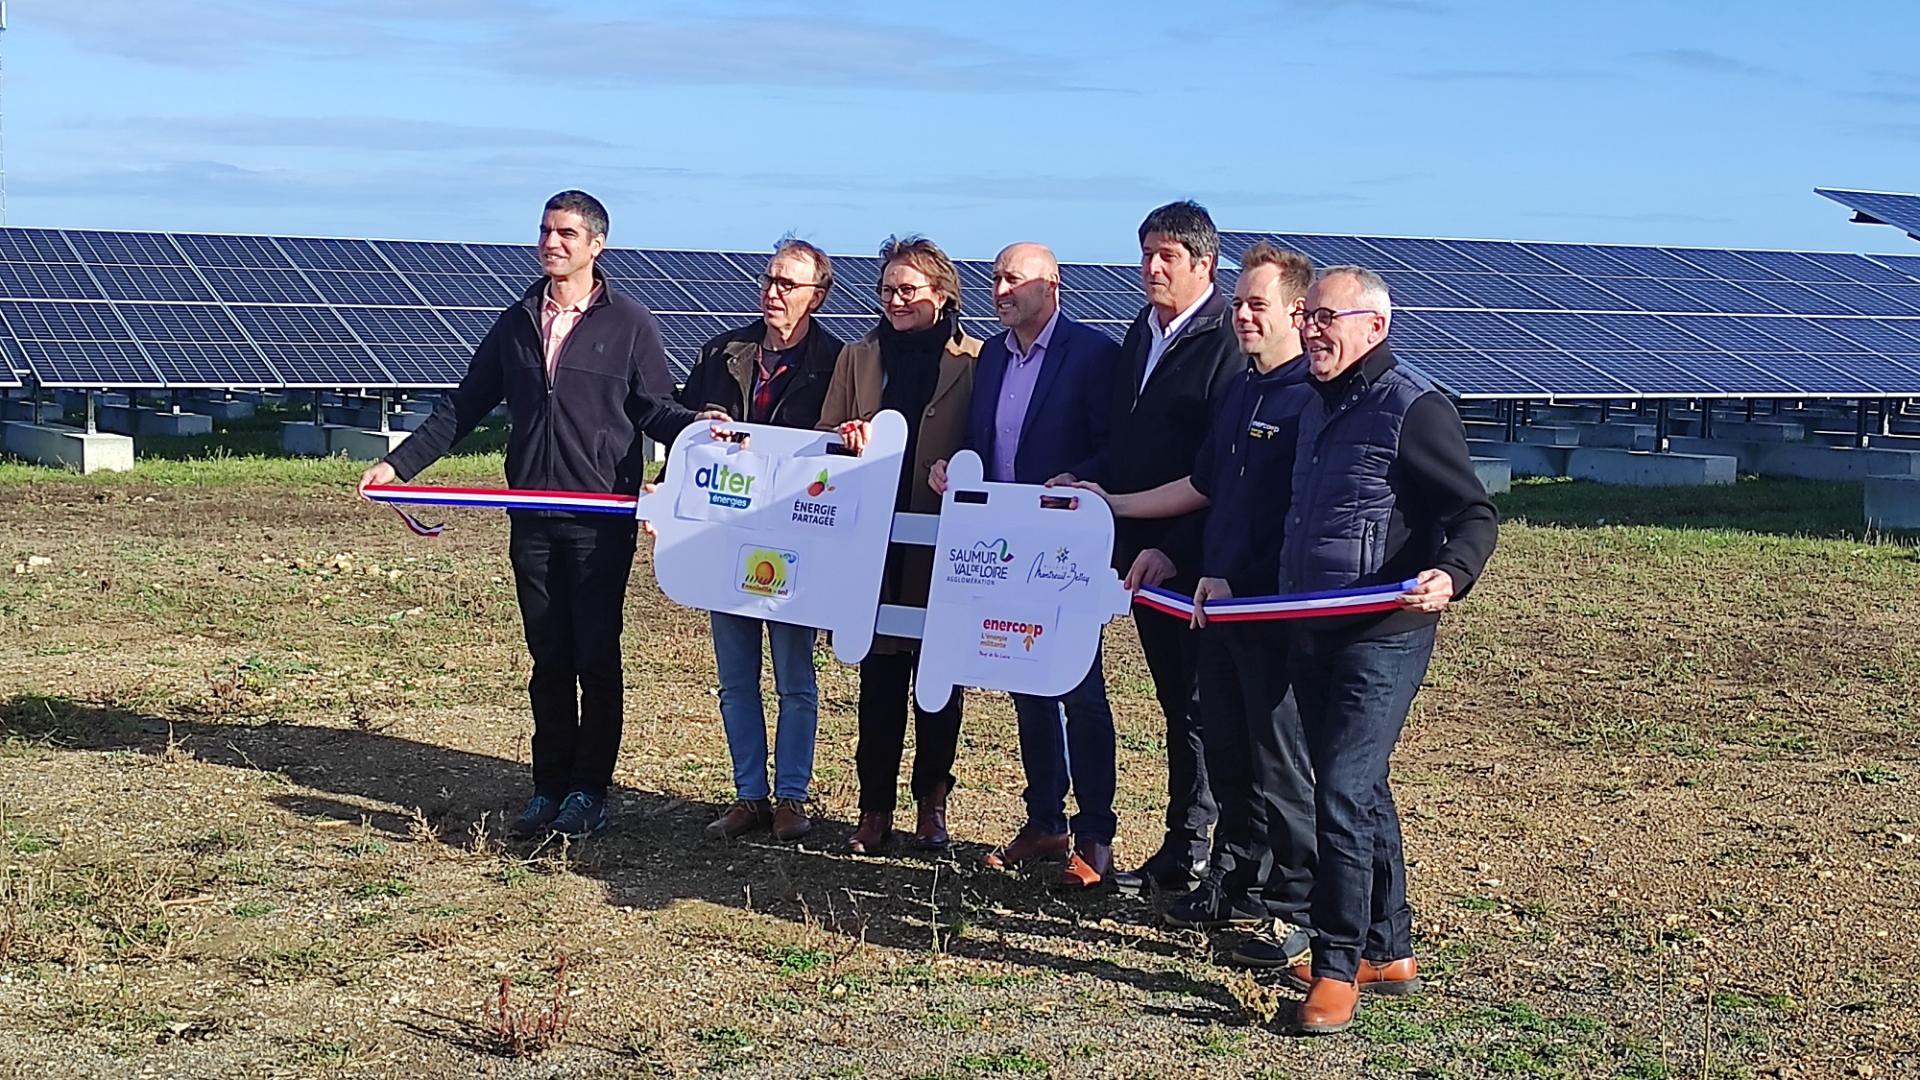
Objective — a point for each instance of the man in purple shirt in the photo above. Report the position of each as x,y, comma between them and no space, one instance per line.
1041,403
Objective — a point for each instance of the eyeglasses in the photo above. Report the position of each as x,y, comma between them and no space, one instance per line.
782,286
1323,317
906,293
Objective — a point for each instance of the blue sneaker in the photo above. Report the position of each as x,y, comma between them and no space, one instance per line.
581,815
534,817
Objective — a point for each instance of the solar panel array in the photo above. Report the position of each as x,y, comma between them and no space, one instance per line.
1484,319
1507,319
1884,207
91,309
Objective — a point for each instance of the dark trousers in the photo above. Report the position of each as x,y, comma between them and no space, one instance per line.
885,696
1258,766
1079,749
571,577
1171,648
1354,699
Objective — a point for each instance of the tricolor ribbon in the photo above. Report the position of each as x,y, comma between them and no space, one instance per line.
399,495
1313,605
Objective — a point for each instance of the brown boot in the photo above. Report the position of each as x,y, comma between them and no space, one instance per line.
1329,1007
1395,978
873,835
791,820
1089,867
931,830
744,816
1029,844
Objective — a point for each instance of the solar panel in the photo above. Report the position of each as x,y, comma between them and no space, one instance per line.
1651,333
151,283
1561,373
360,287
326,366
1887,207
1725,296
1650,294
1859,267
658,295
471,326
1655,262
860,270
723,298
47,281
47,321
1420,254
312,254
1488,376
1493,291
515,262
1648,374
1506,258
1869,299
423,365
79,364
1411,288
1094,277
1793,266
1485,329
1571,332
291,325
462,290
975,276
180,323
1584,259
235,251
1800,298
1732,375
697,266
1907,266
1726,264
397,326
124,248
211,364
34,245
1577,293
262,286
430,258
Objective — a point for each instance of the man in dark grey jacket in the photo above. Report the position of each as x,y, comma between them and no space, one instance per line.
583,372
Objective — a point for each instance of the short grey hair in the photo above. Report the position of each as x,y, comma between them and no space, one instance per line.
822,266
1373,287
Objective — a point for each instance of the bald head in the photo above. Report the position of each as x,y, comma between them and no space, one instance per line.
1026,289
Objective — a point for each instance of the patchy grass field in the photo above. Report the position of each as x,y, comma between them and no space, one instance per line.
256,742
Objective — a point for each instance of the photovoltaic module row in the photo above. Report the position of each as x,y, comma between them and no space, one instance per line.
1880,207
1484,319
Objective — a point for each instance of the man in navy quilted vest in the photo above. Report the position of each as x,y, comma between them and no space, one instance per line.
1383,492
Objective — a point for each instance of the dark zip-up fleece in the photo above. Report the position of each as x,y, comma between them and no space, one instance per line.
579,430
1245,469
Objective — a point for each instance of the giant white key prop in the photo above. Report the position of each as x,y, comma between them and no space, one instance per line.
1022,585
789,528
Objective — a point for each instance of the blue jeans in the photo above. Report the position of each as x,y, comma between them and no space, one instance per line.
736,655
1354,698
1079,749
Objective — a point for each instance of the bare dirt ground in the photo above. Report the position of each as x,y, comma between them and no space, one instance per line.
258,741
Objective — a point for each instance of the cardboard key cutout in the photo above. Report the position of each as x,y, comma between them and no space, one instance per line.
788,527
1022,584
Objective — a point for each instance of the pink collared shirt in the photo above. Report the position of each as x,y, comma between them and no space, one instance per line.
557,322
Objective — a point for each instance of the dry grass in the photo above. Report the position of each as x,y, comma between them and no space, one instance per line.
255,744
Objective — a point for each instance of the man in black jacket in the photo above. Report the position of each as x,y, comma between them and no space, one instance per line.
1178,359
774,370
1383,493
584,374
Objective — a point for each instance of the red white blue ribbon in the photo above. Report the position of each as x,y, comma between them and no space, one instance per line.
577,502
1313,605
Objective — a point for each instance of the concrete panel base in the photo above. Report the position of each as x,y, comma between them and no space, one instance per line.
1614,436
223,409
1893,502
129,421
1756,430
369,419
1807,461
1637,468
1495,474
1523,459
1533,435
71,448
304,438
363,445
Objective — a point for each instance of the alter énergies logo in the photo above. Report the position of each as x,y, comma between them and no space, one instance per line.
725,486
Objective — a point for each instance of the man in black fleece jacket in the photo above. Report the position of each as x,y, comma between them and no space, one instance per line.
584,374
1383,492
1178,359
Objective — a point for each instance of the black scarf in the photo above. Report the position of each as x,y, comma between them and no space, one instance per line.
910,360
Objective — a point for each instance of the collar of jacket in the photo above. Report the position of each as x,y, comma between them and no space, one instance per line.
536,293
1210,315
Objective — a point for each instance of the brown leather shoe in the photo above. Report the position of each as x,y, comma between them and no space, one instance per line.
1395,978
791,820
744,816
1329,1007
872,836
931,830
1029,844
1089,867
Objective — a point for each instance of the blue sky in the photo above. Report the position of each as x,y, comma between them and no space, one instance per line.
724,124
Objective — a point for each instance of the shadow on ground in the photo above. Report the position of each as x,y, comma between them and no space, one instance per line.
658,853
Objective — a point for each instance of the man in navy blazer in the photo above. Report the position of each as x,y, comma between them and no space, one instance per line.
1041,407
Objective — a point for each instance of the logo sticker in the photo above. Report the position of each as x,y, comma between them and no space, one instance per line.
767,571
1058,570
987,562
817,505
1009,639
725,485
